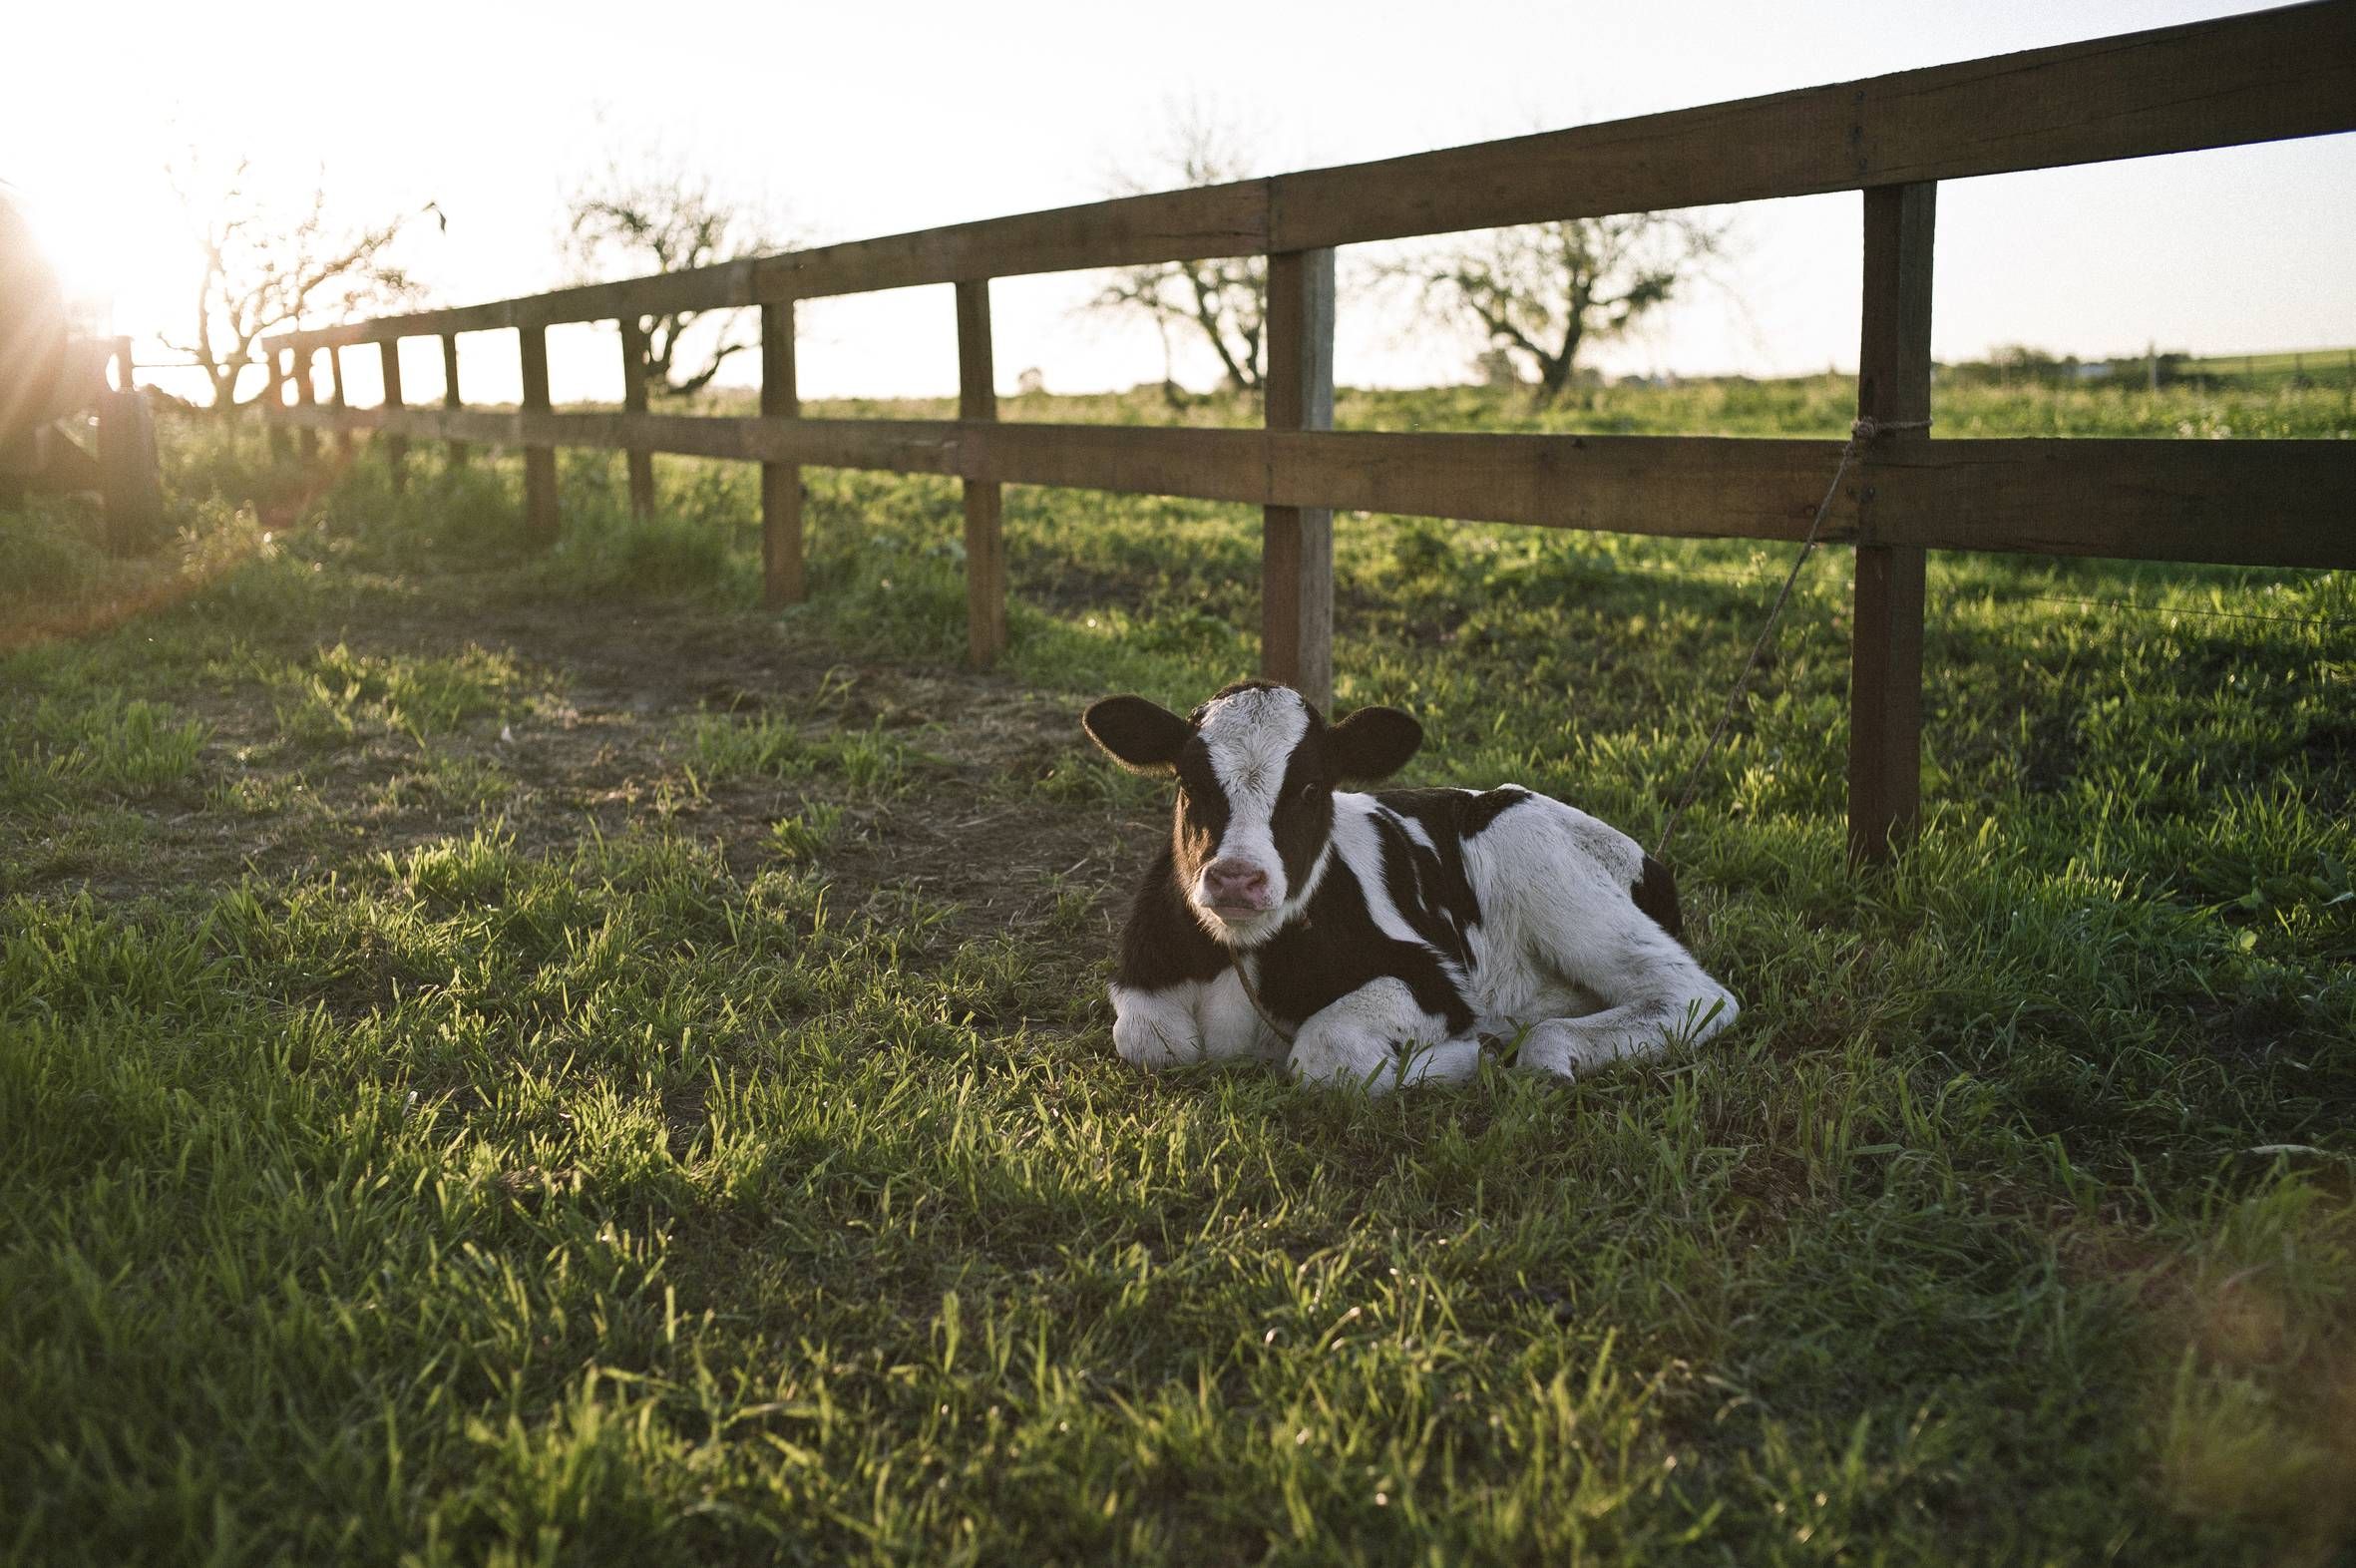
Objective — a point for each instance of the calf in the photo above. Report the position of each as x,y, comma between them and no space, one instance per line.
1378,937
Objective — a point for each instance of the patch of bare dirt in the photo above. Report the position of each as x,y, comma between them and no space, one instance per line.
597,746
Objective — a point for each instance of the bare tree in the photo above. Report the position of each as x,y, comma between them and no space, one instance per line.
1223,301
1543,292
267,269
660,216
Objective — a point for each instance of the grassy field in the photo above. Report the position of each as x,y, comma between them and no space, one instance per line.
526,1060
2316,366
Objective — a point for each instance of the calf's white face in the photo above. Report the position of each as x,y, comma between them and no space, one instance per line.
1249,741
1256,769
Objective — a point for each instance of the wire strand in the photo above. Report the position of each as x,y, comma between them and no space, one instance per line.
1862,431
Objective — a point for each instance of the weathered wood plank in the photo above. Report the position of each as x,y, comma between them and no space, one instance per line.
1696,486
451,400
1143,460
2235,503
130,482
1885,639
2261,77
782,581
728,283
307,396
1297,542
1690,487
336,400
274,404
1170,225
640,460
716,287
985,543
396,446
492,316
541,522
2228,502
1212,220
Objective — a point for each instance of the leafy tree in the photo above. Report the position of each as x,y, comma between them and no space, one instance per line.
1541,293
1222,301
270,268
662,216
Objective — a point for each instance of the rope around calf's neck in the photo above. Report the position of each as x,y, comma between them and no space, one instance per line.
1252,996
1862,431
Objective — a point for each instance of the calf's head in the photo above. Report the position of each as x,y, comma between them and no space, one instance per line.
1256,767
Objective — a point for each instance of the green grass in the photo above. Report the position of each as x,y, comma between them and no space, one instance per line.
483,1082
769,746
2314,366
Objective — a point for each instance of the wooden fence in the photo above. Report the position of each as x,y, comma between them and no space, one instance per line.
2261,77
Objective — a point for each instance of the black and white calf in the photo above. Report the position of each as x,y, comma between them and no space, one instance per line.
1382,935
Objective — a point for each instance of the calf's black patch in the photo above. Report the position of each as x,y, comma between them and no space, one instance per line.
1655,891
1334,947
1164,945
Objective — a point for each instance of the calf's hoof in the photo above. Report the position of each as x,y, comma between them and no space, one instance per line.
1561,1047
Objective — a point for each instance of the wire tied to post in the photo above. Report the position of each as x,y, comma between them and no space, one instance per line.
1863,431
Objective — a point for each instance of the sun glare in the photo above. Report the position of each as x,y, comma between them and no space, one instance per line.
119,245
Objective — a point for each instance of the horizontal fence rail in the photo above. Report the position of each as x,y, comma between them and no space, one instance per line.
2251,504
2266,76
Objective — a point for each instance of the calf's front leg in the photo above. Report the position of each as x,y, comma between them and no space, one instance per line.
1189,1022
1379,1036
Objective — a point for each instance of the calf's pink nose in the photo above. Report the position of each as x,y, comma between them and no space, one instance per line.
1235,882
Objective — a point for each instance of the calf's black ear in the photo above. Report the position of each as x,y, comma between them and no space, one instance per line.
1372,744
1142,737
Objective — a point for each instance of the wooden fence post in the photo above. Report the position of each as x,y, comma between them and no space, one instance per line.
131,485
307,396
281,440
396,447
1296,543
634,401
1885,647
781,483
343,433
451,401
539,461
985,542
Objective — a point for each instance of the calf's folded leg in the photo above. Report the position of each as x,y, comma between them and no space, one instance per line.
1655,996
1591,907
1379,1036
1569,1046
1156,1028
1189,1021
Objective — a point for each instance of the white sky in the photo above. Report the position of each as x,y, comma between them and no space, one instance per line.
856,120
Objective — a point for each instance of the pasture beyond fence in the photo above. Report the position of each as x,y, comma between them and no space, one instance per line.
2266,76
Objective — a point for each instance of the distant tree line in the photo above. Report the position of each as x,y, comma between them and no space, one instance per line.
2018,364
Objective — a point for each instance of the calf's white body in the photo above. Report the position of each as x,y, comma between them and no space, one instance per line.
1384,936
